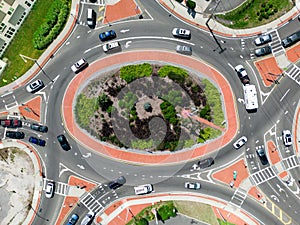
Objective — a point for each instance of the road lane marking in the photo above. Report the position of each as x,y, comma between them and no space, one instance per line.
284,95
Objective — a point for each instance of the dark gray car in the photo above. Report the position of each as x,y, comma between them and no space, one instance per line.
187,50
118,182
263,51
204,163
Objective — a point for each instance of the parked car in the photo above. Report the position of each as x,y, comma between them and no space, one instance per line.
73,219
91,18
187,50
190,185
181,33
79,66
49,190
287,137
118,182
262,155
204,163
35,86
37,141
263,51
38,127
263,39
63,142
111,45
240,142
107,35
242,73
88,218
11,123
15,134
291,39
143,189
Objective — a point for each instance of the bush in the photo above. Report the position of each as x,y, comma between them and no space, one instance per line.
166,211
132,72
141,221
165,70
191,4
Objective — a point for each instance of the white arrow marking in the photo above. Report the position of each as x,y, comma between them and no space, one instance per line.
241,100
275,198
124,31
80,166
42,93
127,44
87,155
195,166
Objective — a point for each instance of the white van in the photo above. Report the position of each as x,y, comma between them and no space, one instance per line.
91,19
143,189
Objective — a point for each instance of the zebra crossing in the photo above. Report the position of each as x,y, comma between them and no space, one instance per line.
238,197
60,188
290,162
293,71
277,48
263,175
91,203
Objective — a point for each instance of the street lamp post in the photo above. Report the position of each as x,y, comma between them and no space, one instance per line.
29,109
107,21
43,70
76,21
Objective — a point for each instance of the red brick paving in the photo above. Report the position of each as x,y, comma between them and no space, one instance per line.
34,105
273,153
293,54
254,192
150,158
229,217
283,174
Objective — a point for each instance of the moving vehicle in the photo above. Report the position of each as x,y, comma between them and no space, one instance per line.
262,155
35,86
107,35
111,45
204,163
263,51
143,189
242,73
263,39
118,182
91,18
287,137
181,33
49,190
37,141
63,142
291,39
187,50
11,123
15,134
194,186
73,219
80,65
250,98
88,218
240,142
38,127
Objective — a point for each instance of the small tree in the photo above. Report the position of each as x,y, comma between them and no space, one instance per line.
191,4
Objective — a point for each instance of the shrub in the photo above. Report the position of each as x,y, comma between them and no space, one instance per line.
165,70
141,221
132,72
191,4
166,211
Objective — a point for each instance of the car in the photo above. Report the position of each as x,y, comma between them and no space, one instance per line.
262,155
79,65
63,142
181,33
49,190
15,134
38,127
263,39
107,35
263,51
184,49
118,182
35,86
37,141
143,189
11,123
240,142
204,163
190,185
291,39
111,45
242,73
73,219
287,137
88,218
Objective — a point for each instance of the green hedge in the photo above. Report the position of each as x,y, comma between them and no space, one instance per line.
131,72
54,23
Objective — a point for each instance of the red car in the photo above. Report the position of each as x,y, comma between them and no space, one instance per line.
12,123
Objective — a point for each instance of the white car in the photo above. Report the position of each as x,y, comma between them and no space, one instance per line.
88,218
49,190
35,86
263,39
78,66
287,137
190,185
143,189
111,45
181,33
240,142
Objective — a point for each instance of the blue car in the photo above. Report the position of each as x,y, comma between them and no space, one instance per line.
73,219
37,141
107,35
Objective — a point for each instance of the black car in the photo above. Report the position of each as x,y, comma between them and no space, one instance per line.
107,35
38,127
37,141
118,182
262,155
15,134
290,40
63,142
204,163
263,51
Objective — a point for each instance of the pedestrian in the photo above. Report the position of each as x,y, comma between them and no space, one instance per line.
231,184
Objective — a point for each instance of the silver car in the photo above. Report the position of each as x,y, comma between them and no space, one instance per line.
184,49
88,218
